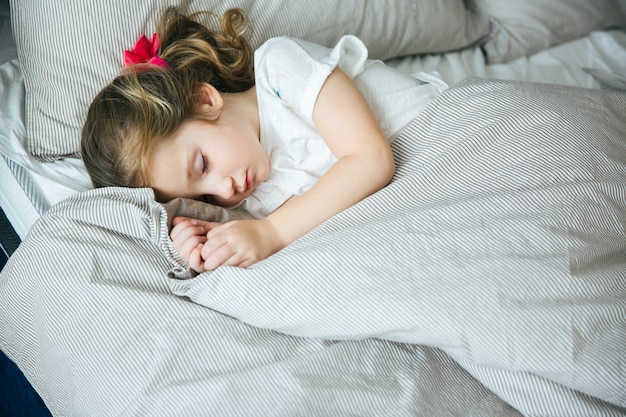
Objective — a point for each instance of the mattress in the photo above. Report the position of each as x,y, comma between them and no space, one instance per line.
29,187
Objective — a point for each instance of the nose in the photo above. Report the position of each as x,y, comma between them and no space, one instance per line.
226,188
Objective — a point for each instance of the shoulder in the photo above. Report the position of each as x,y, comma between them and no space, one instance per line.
286,64
291,49
279,43
277,47
291,53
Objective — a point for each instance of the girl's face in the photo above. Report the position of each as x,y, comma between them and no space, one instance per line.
215,161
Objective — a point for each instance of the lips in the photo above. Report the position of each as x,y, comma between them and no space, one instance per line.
248,181
247,184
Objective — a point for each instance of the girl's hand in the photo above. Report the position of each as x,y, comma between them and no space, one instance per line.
240,243
188,236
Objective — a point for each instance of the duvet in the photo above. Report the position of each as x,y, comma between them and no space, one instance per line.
491,270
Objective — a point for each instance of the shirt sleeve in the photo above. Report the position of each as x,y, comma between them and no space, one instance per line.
295,70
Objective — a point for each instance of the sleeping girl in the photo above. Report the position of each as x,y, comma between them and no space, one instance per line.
293,132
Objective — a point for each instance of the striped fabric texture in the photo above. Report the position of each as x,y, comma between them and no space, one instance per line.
501,240
65,65
521,28
488,279
26,184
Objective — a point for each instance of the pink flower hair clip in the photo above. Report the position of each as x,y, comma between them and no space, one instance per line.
144,52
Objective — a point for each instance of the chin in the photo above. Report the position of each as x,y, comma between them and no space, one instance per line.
224,203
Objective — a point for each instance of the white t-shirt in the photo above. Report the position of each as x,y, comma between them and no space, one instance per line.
289,74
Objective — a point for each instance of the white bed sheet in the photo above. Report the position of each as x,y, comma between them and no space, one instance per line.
18,208
562,64
39,185
53,182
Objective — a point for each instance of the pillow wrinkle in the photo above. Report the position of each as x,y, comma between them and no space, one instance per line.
522,28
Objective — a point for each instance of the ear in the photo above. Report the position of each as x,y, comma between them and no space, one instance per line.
210,101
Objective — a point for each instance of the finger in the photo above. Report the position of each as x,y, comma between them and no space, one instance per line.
239,260
214,227
188,240
208,226
195,260
185,249
204,224
179,219
212,245
185,230
199,226
179,227
220,256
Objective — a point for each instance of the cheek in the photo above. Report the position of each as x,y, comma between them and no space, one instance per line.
167,184
265,167
260,156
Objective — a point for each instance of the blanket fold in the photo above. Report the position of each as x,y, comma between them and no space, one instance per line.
501,240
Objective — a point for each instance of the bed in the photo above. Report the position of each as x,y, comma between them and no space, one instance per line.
487,279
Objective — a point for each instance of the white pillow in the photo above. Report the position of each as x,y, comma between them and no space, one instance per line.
70,49
521,28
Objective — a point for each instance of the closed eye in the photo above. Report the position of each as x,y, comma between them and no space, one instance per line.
200,163
205,164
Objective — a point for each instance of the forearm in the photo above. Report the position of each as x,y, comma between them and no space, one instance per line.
348,181
364,160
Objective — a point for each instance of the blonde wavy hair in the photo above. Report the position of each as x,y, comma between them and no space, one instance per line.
147,104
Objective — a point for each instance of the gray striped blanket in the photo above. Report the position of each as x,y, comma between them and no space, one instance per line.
488,279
